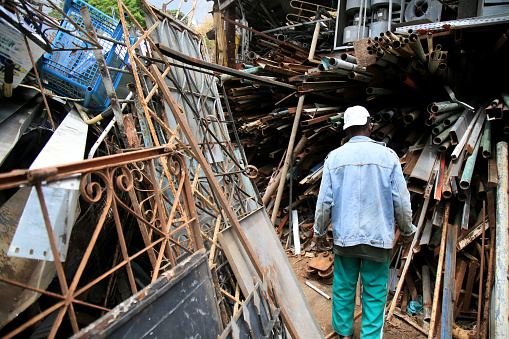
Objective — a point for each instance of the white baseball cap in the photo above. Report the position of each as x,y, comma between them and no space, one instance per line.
355,116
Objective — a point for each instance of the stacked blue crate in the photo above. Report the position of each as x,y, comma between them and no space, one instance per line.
75,74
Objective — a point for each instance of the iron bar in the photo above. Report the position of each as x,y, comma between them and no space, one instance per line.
25,177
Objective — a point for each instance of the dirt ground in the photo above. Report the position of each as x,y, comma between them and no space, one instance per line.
322,307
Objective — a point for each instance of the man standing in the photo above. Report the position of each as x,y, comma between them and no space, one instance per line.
363,191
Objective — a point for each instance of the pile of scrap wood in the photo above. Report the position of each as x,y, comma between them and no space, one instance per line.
443,118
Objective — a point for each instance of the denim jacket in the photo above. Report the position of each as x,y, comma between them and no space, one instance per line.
363,191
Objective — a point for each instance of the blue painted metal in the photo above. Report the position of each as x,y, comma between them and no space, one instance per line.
448,294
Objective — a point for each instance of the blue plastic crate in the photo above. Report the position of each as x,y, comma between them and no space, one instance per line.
75,74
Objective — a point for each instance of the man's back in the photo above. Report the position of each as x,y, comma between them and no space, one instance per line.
364,183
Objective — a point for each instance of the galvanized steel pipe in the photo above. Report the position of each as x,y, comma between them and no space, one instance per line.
501,295
451,119
416,45
442,136
345,65
359,77
379,91
466,178
348,58
444,106
486,140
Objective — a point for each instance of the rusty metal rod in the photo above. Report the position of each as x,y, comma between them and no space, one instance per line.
25,177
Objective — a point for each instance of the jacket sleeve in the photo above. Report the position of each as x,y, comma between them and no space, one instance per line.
324,203
401,202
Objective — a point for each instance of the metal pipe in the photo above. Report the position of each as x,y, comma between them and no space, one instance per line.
480,193
501,297
429,37
444,106
8,77
448,121
386,130
392,35
411,116
442,136
348,58
359,77
379,91
346,65
486,140
438,129
388,114
444,146
225,77
381,54
434,61
416,45
336,117
468,171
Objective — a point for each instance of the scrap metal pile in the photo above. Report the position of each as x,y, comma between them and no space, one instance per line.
163,207
433,103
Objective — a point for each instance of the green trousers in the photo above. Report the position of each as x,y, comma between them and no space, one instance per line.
374,277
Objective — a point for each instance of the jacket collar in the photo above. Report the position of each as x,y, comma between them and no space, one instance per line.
359,138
